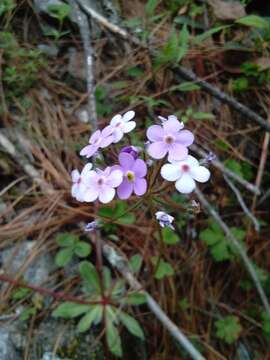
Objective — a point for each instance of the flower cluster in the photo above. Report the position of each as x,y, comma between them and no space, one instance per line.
129,175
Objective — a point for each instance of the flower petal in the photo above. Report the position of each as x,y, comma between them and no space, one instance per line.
115,178
108,130
192,161
125,190
106,194
90,194
185,137
75,175
172,126
155,133
117,135
157,149
87,167
128,115
139,168
116,119
129,126
88,150
140,187
177,152
95,136
185,184
106,141
126,161
171,172
200,173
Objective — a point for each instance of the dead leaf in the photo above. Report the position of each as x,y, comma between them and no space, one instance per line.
263,63
227,10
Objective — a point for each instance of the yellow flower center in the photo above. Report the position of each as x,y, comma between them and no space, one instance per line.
130,176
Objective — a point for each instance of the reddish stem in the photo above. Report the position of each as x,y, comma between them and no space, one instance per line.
56,295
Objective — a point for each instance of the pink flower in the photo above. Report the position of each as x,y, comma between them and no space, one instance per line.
79,182
169,138
100,139
121,124
134,171
101,185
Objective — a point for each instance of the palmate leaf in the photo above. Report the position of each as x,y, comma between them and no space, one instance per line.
69,310
64,256
135,263
228,329
82,249
131,324
113,339
89,274
94,316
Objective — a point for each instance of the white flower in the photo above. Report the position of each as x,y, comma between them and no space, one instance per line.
79,182
184,173
121,124
164,219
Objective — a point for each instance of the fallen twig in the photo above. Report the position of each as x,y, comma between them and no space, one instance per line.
226,171
84,27
242,252
242,203
119,263
181,71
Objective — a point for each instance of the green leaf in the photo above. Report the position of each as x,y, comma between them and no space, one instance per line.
20,293
220,247
94,316
164,269
89,274
27,313
59,11
113,339
82,249
106,277
183,38
186,86
169,236
228,329
69,310
150,7
118,289
135,298
64,256
66,239
200,115
131,324
254,21
135,263
200,38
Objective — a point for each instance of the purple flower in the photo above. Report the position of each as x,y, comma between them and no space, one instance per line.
100,139
134,171
101,184
169,138
164,219
93,225
132,150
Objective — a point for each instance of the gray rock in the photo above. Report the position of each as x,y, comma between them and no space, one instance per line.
7,348
51,356
71,345
37,271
